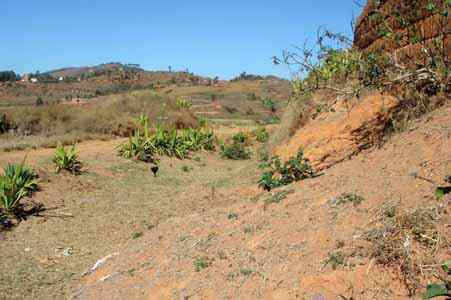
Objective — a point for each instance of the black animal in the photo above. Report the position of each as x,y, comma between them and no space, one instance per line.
154,169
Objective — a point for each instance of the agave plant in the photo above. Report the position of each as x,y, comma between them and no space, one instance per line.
67,159
137,147
168,142
17,182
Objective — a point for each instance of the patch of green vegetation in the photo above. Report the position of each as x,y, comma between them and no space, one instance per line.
336,259
183,103
441,191
235,151
248,228
443,288
279,174
17,182
232,216
269,104
67,159
137,235
345,198
262,135
201,263
246,271
277,197
186,169
241,138
169,142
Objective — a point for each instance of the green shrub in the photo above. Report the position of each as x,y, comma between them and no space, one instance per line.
271,120
241,138
442,289
17,182
67,159
201,263
279,174
235,151
262,135
269,104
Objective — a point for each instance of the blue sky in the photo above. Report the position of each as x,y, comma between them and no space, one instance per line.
209,38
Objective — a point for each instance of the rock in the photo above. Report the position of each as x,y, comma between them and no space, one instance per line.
67,252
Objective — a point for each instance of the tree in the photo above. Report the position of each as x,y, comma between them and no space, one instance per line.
8,76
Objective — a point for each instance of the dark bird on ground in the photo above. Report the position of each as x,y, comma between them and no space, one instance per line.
154,169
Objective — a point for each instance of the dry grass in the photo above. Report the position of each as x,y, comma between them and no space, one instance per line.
113,116
406,240
295,115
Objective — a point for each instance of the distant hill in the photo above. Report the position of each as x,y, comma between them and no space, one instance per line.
93,70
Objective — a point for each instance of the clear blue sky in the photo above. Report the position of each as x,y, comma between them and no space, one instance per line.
208,37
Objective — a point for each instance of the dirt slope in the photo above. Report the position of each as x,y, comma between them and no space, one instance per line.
344,131
253,250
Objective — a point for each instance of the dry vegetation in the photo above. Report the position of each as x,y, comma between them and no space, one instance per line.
407,240
113,117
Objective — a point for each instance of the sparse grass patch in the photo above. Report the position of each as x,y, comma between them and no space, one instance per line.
345,198
186,169
277,197
201,263
137,235
235,151
246,271
405,240
232,216
248,228
336,259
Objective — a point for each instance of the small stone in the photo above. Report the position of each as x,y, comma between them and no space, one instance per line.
67,252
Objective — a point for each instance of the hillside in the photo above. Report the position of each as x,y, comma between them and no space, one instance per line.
122,183
283,250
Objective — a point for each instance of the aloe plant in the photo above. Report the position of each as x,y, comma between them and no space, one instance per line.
17,182
166,142
67,159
